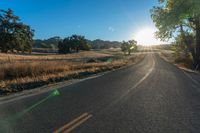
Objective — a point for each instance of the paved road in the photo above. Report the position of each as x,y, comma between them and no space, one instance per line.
150,97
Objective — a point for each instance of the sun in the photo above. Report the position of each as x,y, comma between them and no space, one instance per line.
146,36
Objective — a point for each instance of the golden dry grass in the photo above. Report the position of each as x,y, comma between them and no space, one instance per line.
15,77
34,71
13,57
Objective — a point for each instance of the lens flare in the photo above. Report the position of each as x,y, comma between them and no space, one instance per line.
17,116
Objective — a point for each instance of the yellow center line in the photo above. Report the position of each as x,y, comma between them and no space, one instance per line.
77,124
74,123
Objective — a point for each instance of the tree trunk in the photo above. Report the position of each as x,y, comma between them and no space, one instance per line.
192,52
188,44
4,51
129,52
192,49
197,62
77,50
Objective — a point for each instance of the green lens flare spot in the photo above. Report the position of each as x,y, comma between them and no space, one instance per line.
55,93
110,60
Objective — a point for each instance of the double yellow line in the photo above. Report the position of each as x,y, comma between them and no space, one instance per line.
74,123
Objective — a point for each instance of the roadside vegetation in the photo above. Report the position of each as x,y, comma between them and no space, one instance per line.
179,20
22,72
177,54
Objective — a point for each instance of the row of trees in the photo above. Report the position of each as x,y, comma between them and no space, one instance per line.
129,46
14,35
180,19
52,43
103,44
73,43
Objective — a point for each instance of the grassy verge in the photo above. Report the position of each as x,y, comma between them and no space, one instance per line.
179,59
22,72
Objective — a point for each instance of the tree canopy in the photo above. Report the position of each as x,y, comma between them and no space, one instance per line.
14,35
129,46
73,43
179,17
103,44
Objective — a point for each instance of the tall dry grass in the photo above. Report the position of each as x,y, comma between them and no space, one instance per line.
32,69
35,71
4,58
20,76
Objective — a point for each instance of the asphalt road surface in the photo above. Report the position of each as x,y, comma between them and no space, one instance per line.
152,96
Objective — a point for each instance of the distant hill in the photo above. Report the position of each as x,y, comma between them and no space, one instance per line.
101,44
52,43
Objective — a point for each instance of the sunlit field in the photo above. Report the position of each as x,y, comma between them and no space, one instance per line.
20,72
6,58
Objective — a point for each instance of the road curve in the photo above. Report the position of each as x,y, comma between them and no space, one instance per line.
152,96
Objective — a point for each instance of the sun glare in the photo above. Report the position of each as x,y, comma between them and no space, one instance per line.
146,36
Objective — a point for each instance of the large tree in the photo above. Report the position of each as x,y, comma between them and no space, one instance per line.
73,43
64,46
78,42
129,46
14,35
179,17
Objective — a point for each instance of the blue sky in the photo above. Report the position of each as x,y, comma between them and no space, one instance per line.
104,19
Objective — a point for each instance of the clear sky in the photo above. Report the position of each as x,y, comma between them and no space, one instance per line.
103,19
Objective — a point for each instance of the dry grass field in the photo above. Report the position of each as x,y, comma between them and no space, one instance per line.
5,58
22,72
